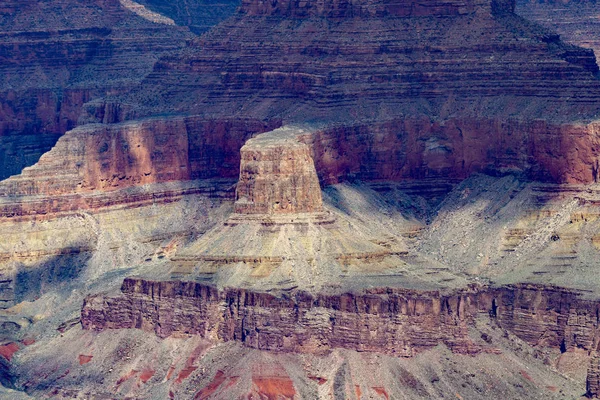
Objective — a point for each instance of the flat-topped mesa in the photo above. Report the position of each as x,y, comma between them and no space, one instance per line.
373,8
277,175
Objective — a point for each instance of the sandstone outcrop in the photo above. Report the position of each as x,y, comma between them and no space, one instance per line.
277,175
418,148
395,321
91,162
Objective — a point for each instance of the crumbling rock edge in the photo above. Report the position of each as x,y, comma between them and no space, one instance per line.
396,321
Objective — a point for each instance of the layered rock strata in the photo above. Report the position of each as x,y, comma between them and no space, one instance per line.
395,321
418,148
577,21
97,165
277,175
344,61
57,56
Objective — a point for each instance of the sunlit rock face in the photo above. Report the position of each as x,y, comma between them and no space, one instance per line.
277,175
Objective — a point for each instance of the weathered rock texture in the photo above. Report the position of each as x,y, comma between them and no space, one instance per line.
295,61
394,321
385,320
417,148
577,21
277,175
56,56
98,159
198,15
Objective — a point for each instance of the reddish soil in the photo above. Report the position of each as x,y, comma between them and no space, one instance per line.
382,392
212,387
84,359
146,375
185,373
126,377
8,350
274,388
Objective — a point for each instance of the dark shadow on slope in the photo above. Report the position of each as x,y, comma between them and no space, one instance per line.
198,15
20,151
32,282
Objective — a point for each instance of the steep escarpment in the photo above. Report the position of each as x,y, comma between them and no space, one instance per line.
393,321
576,21
57,56
99,159
300,63
417,148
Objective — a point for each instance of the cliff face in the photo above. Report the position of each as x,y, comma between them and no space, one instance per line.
421,148
353,61
394,321
577,21
96,159
362,9
277,175
57,56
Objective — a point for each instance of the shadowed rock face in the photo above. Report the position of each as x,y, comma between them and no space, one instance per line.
298,63
577,21
55,56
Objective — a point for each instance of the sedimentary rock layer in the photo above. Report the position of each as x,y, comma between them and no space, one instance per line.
394,321
56,56
95,159
277,175
297,62
577,21
416,148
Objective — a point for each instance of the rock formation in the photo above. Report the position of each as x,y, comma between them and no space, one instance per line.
384,153
395,321
277,176
575,21
57,56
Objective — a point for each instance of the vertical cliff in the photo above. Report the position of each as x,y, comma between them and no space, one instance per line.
277,175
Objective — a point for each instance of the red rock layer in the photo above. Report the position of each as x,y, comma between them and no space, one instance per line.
277,176
414,148
394,321
94,159
399,322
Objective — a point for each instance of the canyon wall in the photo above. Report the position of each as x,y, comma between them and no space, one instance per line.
318,61
57,56
394,321
282,177
577,21
362,9
421,148
94,165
